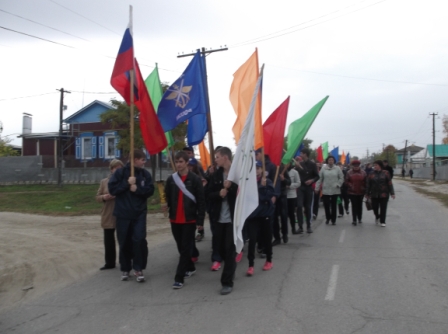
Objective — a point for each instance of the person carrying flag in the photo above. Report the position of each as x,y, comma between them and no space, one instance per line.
186,205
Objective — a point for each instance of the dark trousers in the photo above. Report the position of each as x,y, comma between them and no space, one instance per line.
110,254
381,205
316,201
356,207
281,209
227,251
254,226
304,201
330,205
292,205
131,235
184,236
216,257
344,204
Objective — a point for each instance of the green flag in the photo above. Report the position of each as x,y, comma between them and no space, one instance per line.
155,90
298,129
325,150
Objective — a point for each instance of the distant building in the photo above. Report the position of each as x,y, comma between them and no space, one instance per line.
86,141
441,155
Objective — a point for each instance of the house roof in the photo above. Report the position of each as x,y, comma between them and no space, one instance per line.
45,135
412,148
90,113
441,150
419,156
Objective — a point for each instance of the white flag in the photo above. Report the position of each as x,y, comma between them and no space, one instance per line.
243,173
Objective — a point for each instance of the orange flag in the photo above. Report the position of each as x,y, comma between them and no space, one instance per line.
241,92
343,158
205,156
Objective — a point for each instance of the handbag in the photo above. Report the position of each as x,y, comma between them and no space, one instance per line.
368,204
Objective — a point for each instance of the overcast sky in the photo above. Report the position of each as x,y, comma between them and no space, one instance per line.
382,62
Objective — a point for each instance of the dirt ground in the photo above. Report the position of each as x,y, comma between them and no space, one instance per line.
429,185
41,253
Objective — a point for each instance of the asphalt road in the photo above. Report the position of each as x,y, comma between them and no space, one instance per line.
340,279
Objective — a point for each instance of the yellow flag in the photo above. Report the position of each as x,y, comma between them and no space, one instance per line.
241,92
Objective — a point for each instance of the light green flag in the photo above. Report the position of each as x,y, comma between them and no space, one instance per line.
325,150
155,90
298,129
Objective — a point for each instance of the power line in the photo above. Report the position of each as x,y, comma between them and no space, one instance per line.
24,97
41,24
362,78
265,38
43,39
84,17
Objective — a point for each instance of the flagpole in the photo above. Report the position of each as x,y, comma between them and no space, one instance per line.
263,163
209,118
170,151
131,144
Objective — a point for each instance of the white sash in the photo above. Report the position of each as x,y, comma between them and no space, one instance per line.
182,187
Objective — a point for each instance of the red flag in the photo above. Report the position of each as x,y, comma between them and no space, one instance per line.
320,154
152,132
274,133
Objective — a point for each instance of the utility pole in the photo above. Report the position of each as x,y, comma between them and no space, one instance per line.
404,154
205,53
434,146
60,151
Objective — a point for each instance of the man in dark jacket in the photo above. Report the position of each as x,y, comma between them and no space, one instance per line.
131,195
221,194
186,203
281,209
308,175
389,168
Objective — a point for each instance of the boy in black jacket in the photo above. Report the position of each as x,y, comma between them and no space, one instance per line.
131,195
186,203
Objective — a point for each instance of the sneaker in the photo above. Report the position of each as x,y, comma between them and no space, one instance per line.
340,216
348,212
300,231
226,290
314,217
124,275
383,225
285,239
139,276
377,220
309,230
327,222
178,285
216,266
199,237
250,271
267,266
354,223
194,259
188,274
239,257
360,222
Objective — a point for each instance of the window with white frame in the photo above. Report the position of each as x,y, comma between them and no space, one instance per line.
109,147
86,148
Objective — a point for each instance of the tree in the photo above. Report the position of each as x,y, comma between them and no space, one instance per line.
306,143
445,129
388,154
118,118
5,149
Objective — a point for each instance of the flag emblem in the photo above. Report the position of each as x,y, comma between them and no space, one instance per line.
180,93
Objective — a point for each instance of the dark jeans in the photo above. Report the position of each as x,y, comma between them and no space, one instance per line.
292,205
281,209
330,205
227,251
381,204
110,254
184,236
131,235
316,201
304,200
344,204
215,249
356,207
262,225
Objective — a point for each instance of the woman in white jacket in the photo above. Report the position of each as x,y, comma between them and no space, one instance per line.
331,179
292,198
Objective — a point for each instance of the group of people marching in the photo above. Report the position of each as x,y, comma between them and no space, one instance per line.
292,192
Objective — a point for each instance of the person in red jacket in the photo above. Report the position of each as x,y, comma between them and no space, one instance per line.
355,181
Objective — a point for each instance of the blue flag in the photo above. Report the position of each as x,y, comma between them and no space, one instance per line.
186,99
299,150
335,153
347,159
